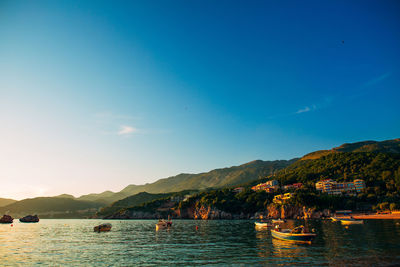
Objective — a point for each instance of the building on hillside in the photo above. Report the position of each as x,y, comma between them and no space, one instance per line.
323,185
279,199
238,189
334,188
272,183
293,186
359,185
269,186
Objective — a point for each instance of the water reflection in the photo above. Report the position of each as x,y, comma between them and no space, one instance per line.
73,242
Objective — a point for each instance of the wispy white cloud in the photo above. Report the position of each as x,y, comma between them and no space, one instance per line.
127,130
324,103
378,79
309,108
306,109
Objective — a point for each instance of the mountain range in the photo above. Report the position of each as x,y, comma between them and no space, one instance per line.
51,207
218,178
6,201
387,146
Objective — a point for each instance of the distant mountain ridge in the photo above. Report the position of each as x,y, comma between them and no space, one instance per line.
324,163
217,178
51,207
387,146
6,201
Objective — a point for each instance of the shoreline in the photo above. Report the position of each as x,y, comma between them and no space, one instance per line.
374,216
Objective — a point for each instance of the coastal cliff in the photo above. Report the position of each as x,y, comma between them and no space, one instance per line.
204,212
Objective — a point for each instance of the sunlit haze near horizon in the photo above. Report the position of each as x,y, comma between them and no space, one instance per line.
97,95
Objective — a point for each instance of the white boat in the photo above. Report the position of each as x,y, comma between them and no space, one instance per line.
298,234
263,224
351,221
163,224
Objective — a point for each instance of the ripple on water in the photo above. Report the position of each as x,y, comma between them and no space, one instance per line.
73,242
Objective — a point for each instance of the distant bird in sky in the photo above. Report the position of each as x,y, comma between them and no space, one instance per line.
342,41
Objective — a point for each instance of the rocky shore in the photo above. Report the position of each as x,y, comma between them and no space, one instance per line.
212,213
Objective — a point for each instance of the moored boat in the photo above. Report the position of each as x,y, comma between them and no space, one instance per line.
105,227
263,224
6,219
163,224
30,219
298,234
351,221
278,221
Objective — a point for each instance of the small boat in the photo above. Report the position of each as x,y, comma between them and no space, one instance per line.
105,227
278,221
163,224
263,224
351,221
6,219
30,219
298,234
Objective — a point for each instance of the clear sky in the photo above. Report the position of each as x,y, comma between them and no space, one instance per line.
97,95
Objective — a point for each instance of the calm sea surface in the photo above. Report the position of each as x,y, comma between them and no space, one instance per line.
73,242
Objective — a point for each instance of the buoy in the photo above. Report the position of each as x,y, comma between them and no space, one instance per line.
197,228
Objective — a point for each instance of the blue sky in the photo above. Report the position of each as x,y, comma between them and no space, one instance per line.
96,95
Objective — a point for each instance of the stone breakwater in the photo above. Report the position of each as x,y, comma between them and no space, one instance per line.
212,213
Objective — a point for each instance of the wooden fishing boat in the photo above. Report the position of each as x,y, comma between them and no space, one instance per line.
163,224
6,219
29,219
105,227
263,224
351,221
297,234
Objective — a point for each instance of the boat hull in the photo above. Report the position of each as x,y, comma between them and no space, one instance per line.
262,225
30,219
6,219
298,238
345,222
102,228
163,225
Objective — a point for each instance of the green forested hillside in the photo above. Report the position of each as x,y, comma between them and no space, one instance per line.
377,169
218,178
106,197
131,201
387,146
6,201
142,201
378,163
380,171
51,207
214,179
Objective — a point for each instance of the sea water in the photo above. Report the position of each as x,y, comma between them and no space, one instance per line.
189,242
